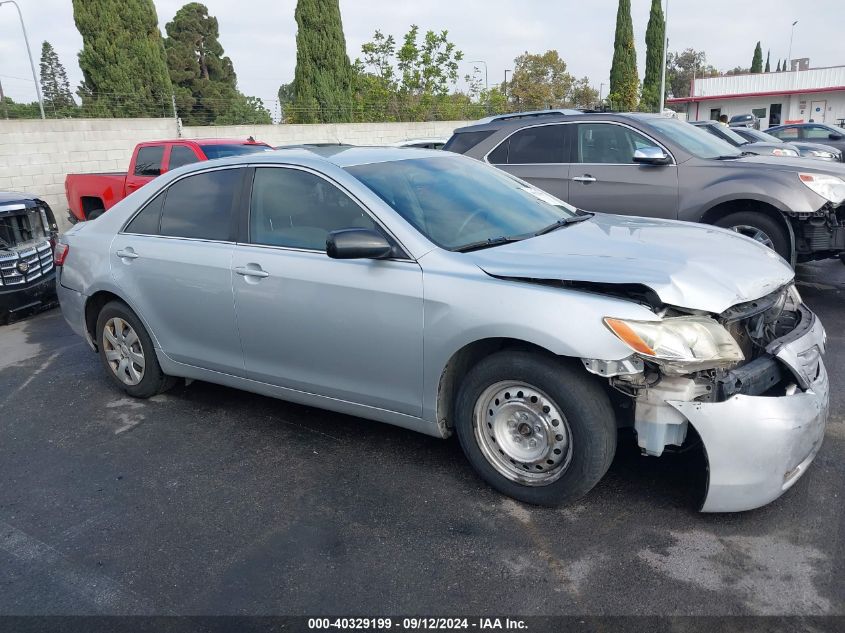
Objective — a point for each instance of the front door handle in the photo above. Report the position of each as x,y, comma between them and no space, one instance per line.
129,253
251,270
586,178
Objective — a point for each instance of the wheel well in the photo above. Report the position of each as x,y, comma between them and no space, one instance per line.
93,306
91,203
461,362
723,209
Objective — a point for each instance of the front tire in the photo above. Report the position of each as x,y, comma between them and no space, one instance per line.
534,427
127,353
761,228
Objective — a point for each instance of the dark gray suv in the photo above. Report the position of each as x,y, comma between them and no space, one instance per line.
651,165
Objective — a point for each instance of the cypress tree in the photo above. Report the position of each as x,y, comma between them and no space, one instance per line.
768,68
322,82
624,81
203,78
122,58
757,60
777,70
655,40
54,84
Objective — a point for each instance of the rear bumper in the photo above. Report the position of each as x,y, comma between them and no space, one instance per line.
758,447
15,301
73,310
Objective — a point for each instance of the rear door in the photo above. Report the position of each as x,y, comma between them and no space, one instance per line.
174,261
605,178
536,154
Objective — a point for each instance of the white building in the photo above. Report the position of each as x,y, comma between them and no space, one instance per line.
816,94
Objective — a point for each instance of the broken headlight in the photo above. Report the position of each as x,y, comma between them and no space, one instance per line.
690,343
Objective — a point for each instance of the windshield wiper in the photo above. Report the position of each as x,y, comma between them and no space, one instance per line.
572,219
493,241
731,156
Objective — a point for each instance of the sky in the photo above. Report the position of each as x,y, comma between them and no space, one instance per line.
260,35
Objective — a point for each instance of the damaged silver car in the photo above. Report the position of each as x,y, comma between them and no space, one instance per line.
442,295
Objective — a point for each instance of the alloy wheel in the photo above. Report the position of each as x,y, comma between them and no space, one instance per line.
123,350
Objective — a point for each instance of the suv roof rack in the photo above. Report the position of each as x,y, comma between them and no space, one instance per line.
523,115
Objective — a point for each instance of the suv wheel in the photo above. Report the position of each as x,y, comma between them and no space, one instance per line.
761,228
535,428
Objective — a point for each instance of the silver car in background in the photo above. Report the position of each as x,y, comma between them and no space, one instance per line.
434,292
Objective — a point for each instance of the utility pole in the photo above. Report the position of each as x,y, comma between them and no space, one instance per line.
663,67
28,52
791,35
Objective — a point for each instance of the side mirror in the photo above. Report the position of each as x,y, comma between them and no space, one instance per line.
357,244
651,156
833,136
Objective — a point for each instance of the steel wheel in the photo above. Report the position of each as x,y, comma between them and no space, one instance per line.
522,433
755,234
123,350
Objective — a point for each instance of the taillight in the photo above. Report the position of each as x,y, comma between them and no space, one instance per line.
60,254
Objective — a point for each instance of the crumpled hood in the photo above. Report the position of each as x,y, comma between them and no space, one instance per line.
693,266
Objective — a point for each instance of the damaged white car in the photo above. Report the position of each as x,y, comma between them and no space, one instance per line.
437,293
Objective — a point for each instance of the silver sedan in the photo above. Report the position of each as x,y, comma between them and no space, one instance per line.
433,292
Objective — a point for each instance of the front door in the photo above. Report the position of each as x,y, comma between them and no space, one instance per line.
817,111
604,178
346,329
147,164
174,261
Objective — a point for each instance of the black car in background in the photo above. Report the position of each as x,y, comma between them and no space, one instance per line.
817,151
28,233
744,120
811,132
761,148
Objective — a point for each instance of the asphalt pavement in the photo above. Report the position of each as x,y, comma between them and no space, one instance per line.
207,500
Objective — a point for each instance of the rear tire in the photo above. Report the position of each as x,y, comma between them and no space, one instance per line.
761,228
94,214
127,353
534,427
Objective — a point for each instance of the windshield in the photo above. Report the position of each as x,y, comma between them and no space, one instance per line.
694,140
761,136
213,151
455,201
732,137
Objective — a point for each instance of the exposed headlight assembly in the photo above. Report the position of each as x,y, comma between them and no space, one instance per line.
828,187
784,152
820,153
679,344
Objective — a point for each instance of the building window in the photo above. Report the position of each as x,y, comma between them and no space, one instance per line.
774,113
760,113
715,113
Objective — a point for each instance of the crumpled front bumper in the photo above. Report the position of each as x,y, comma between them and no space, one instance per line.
758,447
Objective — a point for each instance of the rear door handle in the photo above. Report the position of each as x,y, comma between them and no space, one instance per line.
251,270
127,254
584,178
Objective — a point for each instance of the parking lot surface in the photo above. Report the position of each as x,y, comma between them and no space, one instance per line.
207,500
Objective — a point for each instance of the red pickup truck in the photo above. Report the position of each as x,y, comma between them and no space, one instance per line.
89,195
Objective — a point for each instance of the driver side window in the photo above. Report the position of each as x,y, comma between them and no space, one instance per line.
297,209
606,143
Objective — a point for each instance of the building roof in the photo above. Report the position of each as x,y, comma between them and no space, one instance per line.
764,84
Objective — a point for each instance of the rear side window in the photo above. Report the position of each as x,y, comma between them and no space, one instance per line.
200,206
181,155
148,161
786,133
462,142
146,222
540,144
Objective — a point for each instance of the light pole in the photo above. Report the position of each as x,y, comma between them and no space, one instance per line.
663,67
481,61
791,35
28,52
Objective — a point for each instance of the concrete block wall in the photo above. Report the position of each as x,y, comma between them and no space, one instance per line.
35,155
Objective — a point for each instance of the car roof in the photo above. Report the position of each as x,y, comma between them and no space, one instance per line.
539,117
206,141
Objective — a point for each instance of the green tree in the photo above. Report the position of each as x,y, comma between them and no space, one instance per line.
323,78
204,80
682,67
582,94
739,70
768,68
655,40
777,70
540,81
55,86
624,81
757,60
122,58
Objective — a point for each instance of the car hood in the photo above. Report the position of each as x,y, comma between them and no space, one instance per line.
687,265
785,163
